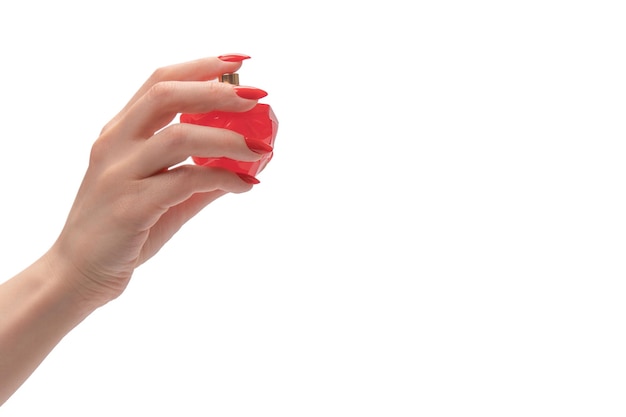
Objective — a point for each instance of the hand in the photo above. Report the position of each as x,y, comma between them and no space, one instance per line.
137,191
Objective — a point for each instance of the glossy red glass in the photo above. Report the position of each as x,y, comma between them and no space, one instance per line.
258,124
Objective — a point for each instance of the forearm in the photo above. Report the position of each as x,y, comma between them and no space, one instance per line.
37,309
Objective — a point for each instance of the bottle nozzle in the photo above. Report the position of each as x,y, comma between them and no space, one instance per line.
230,78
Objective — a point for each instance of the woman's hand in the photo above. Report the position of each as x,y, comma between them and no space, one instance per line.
136,194
137,191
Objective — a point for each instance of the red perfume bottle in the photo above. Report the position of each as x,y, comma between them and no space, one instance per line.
259,123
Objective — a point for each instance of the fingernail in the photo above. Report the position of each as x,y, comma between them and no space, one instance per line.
248,178
250,93
233,57
258,146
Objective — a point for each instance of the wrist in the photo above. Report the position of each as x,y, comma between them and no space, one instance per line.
69,283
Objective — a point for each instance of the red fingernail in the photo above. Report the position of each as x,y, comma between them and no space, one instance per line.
250,93
233,57
258,146
248,178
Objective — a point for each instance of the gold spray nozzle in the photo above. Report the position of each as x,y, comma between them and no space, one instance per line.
230,78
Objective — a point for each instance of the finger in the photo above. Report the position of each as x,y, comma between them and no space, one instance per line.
178,142
158,107
197,70
171,188
170,222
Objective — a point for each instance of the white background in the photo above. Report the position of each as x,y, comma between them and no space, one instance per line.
440,233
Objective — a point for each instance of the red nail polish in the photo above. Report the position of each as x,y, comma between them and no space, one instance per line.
233,57
258,125
258,146
250,93
248,178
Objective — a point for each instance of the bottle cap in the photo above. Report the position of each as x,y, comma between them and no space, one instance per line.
230,78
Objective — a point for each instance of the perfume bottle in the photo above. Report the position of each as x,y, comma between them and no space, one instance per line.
259,124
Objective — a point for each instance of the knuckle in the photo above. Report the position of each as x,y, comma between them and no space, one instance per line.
176,135
214,87
162,91
160,74
104,146
226,140
99,151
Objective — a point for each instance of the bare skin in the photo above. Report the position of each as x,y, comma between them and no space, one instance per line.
136,194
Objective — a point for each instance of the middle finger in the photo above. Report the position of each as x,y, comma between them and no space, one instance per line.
164,100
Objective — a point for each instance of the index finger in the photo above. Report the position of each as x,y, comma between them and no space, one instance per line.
203,69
